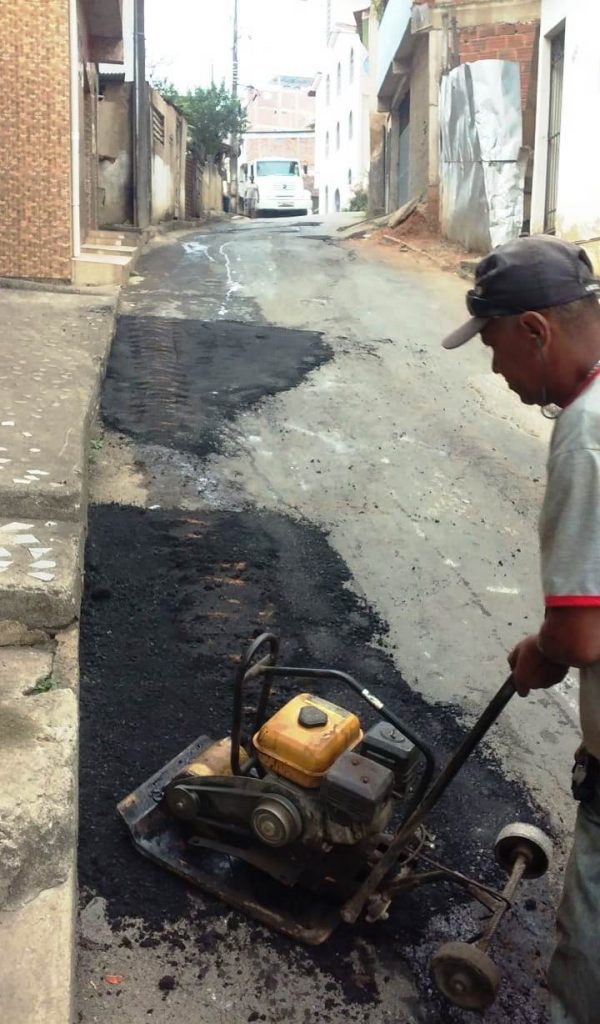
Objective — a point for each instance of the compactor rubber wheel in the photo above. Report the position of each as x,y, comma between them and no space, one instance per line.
465,975
530,842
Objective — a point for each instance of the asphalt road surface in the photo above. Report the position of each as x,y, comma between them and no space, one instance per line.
284,445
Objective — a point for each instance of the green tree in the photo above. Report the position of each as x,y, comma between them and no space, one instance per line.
165,88
212,115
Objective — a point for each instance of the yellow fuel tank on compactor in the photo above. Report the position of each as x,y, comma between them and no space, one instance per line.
304,738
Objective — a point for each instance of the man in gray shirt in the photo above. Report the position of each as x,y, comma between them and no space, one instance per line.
535,305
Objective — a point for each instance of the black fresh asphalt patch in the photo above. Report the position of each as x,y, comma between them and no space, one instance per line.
170,601
178,382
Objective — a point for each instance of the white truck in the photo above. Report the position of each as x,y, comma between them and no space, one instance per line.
272,184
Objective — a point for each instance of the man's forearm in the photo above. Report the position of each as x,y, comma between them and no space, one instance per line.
571,636
551,648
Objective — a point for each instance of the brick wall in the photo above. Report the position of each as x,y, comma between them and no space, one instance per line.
35,189
495,39
302,148
502,41
280,107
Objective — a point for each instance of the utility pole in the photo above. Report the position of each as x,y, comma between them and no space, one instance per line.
233,159
141,121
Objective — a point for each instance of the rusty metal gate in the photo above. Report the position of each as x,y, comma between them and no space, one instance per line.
557,61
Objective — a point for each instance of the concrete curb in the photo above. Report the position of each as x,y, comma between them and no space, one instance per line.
39,877
20,284
55,348
168,227
39,670
26,595
37,969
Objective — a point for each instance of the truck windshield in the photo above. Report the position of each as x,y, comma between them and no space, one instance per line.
282,167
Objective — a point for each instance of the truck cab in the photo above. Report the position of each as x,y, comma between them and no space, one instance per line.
273,184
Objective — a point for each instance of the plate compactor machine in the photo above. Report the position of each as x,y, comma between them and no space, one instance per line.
305,821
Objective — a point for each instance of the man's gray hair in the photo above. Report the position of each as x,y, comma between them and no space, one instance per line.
586,309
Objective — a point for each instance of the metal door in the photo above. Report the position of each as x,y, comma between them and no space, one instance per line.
557,61
404,150
385,132
179,170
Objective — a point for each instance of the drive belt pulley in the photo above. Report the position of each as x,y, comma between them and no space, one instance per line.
241,806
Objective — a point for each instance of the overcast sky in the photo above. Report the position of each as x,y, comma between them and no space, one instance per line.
188,41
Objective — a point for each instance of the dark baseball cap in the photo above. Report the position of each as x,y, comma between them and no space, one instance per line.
531,273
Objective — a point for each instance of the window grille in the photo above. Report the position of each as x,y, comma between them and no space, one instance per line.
158,126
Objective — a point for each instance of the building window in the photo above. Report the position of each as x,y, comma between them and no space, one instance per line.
350,125
351,74
557,60
326,143
158,126
327,199
349,175
327,89
339,78
337,135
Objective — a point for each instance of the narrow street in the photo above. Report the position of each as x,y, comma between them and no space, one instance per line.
284,444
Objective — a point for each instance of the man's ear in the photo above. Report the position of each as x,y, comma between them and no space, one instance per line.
537,328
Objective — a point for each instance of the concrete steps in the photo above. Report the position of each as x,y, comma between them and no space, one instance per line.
103,249
105,236
96,268
107,257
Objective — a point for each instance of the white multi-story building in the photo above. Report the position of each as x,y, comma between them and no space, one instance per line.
341,119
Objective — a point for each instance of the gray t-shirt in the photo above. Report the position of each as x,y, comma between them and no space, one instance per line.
570,530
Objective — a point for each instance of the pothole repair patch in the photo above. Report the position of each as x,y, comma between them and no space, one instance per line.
177,382
171,599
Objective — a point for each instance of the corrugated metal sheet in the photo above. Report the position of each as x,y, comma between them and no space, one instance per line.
483,164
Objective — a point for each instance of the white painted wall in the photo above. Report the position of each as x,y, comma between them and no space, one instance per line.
578,204
346,166
168,164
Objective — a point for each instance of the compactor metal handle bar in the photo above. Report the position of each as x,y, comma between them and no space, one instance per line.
247,670
353,907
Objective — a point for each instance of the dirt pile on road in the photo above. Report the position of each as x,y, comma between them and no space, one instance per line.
419,237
